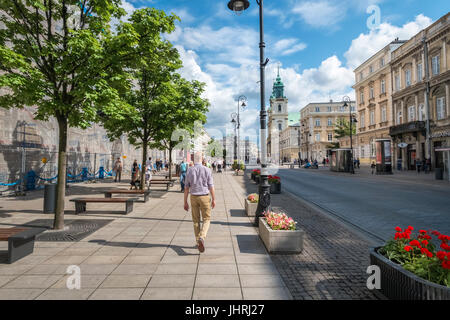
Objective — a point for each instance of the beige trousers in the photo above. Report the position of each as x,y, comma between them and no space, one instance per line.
201,207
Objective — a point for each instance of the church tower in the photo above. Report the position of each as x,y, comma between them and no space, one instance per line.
278,114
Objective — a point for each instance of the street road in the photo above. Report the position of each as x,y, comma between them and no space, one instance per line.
374,204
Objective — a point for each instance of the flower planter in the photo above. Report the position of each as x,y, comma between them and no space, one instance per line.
400,284
257,179
275,188
280,241
250,208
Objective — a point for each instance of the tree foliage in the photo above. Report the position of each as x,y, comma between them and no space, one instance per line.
342,128
61,57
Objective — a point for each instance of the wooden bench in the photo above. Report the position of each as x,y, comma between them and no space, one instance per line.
20,241
109,193
157,182
80,203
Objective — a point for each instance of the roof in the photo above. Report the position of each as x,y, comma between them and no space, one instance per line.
293,118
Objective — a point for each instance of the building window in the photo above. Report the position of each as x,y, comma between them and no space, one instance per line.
371,93
317,122
399,117
362,120
361,76
329,109
419,72
372,117
330,121
383,86
440,108
370,69
361,97
352,108
383,114
381,62
280,126
411,113
317,109
317,136
330,137
422,116
435,65
397,83
408,78
279,108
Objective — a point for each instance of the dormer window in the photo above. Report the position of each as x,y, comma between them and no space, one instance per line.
279,108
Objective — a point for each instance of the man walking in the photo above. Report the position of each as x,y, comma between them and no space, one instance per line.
118,166
183,169
199,183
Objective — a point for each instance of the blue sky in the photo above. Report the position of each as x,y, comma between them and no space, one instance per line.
317,45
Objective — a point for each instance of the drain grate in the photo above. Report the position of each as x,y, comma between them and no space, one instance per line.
75,230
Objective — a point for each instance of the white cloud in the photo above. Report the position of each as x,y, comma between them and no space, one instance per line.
368,44
320,14
288,46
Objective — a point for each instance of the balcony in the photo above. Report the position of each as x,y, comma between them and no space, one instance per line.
413,126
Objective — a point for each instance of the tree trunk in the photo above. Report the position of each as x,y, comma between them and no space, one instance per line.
144,159
170,163
62,165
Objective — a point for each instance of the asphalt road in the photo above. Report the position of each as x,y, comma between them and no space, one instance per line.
373,205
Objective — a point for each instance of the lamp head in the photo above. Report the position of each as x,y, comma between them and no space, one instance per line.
238,6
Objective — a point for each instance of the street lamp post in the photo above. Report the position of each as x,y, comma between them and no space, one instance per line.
235,122
347,103
241,103
238,6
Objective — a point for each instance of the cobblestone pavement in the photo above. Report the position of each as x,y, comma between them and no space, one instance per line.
334,259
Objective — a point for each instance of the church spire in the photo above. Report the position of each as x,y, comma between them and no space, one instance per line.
278,87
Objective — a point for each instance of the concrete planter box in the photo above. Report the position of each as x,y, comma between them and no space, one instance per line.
400,284
280,241
250,208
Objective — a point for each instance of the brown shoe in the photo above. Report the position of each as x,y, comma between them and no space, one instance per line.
201,245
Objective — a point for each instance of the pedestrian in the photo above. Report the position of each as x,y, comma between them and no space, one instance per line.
134,175
427,165
118,166
323,162
418,165
148,171
183,170
199,183
328,161
357,162
373,166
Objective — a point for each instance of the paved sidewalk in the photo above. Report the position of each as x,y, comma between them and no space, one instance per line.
147,254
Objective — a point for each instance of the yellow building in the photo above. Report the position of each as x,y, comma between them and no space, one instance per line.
374,103
317,124
423,61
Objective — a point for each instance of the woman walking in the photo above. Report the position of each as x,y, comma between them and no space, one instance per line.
134,175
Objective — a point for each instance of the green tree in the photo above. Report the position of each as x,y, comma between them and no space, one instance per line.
342,128
182,111
61,57
152,71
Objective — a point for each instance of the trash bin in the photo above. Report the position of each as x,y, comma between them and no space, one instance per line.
438,174
50,198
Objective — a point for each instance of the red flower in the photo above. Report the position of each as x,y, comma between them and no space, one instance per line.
441,255
415,243
446,264
424,242
410,228
407,248
398,229
422,231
